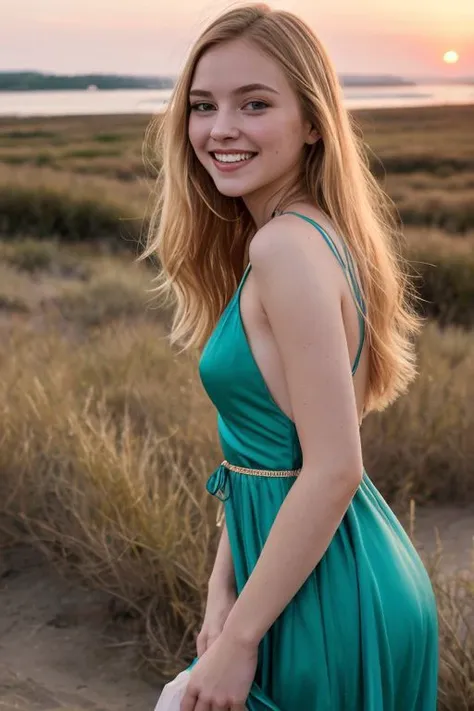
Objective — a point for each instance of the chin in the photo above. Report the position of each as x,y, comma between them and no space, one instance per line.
229,192
237,191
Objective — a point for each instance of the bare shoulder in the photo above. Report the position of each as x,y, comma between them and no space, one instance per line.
292,246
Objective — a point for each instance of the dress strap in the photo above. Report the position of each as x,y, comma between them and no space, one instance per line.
244,276
349,272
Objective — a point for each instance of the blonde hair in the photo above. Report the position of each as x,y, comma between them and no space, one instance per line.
201,236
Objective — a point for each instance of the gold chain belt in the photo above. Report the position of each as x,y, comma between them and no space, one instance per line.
218,484
261,472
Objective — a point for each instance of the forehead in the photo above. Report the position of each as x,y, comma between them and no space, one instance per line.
237,63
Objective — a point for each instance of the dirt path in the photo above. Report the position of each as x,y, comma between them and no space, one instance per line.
454,526
56,655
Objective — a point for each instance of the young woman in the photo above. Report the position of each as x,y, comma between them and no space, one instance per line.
276,244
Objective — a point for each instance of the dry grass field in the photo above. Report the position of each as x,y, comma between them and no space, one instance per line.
107,437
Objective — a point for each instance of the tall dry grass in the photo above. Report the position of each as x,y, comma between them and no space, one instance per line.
422,446
442,266
424,157
455,602
104,449
45,203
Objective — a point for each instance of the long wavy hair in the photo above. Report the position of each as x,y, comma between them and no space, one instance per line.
201,237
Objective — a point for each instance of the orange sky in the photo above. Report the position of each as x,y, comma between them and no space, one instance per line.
152,36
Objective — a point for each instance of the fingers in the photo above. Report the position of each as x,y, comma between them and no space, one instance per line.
205,706
189,701
220,707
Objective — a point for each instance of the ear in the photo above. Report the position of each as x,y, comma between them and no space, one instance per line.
312,136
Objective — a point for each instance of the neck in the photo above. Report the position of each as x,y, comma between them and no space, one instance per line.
281,206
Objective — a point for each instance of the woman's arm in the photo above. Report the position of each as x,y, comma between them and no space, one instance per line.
221,596
300,285
222,575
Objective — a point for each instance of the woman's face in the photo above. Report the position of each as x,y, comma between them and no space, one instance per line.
245,124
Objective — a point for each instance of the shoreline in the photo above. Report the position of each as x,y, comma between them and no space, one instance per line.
149,102
429,108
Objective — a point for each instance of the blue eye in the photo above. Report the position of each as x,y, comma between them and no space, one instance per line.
196,107
263,105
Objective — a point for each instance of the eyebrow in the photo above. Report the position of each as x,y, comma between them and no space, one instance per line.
241,90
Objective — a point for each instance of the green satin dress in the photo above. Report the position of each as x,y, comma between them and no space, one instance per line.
361,634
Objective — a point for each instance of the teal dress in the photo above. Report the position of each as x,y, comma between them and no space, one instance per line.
361,633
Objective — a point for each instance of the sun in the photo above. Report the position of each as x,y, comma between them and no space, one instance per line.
451,57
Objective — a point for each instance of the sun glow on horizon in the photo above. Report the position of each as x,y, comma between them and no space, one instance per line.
451,57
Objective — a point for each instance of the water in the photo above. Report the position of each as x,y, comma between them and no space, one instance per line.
137,101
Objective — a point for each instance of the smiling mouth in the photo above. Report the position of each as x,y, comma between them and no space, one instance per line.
232,158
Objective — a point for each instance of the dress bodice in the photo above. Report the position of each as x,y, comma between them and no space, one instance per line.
253,430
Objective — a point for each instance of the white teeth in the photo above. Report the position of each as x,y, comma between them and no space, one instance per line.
232,157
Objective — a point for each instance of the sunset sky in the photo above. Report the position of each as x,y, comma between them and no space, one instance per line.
152,36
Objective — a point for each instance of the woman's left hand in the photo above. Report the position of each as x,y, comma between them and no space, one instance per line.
222,677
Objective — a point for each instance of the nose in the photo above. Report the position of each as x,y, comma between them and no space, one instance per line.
224,127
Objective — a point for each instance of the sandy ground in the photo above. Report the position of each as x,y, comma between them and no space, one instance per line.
453,526
56,649
56,646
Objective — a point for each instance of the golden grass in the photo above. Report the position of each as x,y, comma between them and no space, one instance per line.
105,447
438,138
16,291
442,267
455,602
422,446
47,279
76,184
427,153
456,617
406,135
433,241
72,206
444,203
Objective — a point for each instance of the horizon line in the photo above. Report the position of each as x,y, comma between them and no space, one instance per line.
397,75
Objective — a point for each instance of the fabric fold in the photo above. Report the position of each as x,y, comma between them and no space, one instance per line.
218,483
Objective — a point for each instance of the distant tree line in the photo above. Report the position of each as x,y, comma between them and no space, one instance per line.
374,80
37,81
